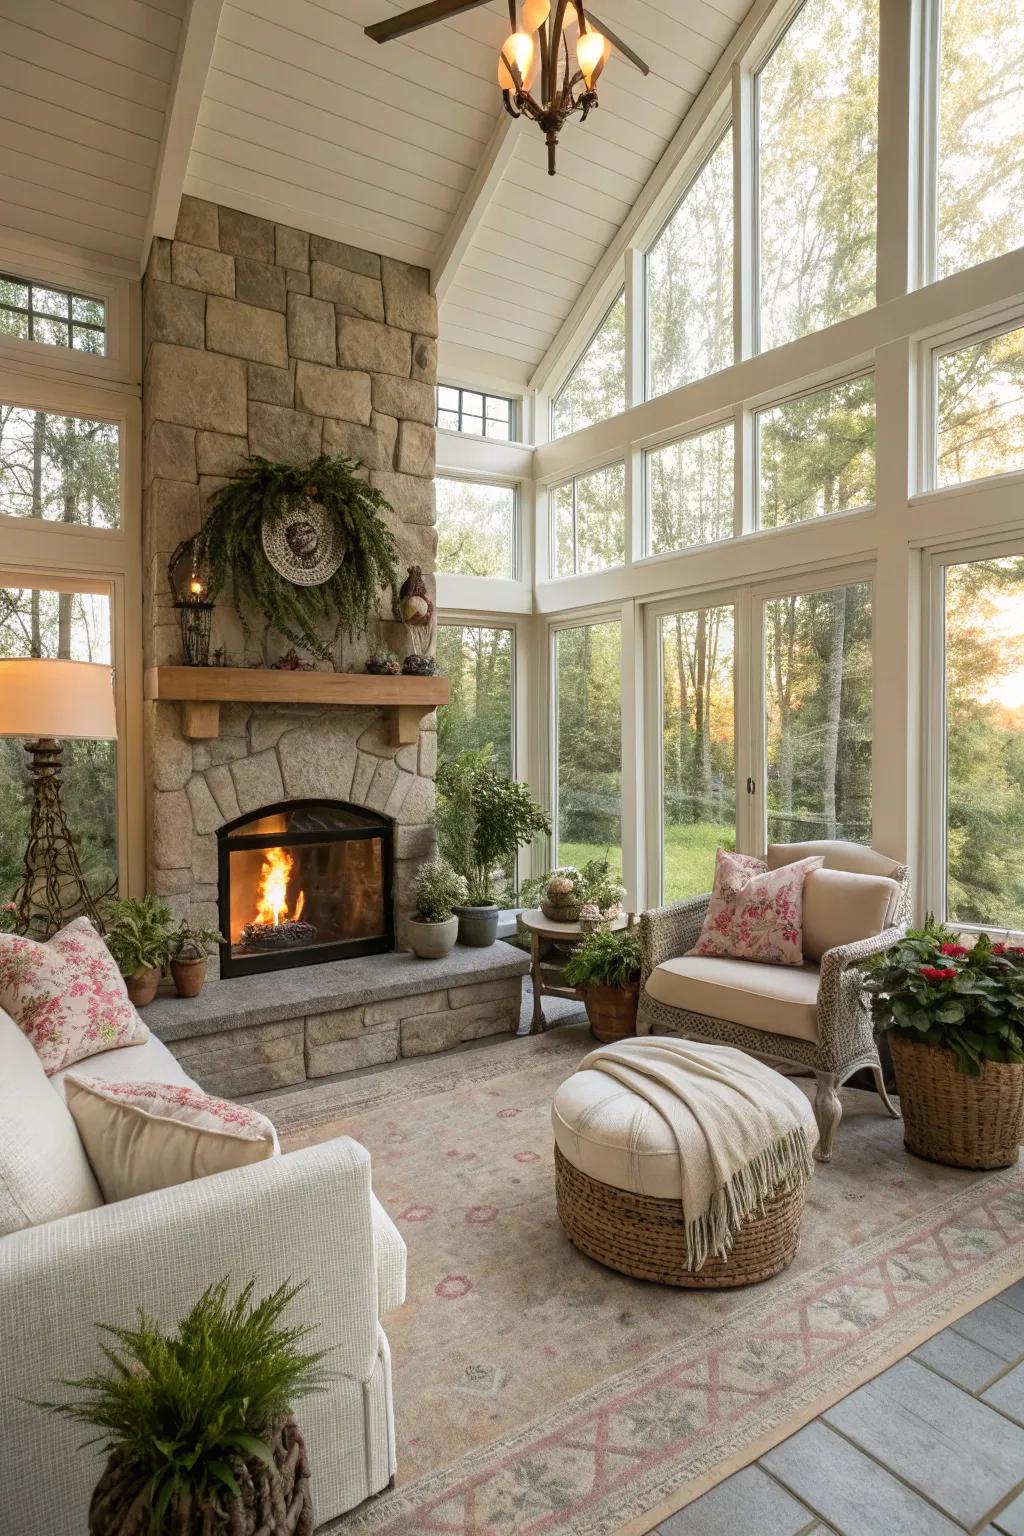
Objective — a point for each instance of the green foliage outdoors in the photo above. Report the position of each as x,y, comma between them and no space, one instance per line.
185,1409
229,549
140,933
968,999
483,819
605,959
437,889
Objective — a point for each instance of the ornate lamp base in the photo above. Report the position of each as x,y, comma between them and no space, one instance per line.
54,889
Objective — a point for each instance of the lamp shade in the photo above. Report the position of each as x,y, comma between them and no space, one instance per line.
65,699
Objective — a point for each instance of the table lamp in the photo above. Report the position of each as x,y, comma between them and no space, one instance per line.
43,701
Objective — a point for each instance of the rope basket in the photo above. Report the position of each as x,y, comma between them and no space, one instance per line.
645,1237
948,1117
274,1500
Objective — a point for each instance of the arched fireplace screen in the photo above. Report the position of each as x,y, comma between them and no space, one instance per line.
303,882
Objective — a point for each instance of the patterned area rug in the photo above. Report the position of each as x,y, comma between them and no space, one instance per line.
537,1392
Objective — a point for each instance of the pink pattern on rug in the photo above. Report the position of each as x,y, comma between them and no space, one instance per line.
453,1288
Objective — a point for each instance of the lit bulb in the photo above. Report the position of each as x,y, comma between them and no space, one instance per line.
535,14
591,52
195,586
518,49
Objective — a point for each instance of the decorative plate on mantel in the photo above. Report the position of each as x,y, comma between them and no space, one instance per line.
303,544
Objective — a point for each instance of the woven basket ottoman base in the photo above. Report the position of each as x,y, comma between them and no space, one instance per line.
646,1238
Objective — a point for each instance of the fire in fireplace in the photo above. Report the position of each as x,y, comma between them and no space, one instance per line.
302,883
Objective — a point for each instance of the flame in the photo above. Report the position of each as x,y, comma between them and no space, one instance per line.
272,889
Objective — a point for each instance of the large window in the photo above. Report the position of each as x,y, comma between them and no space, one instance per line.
980,192
596,388
698,747
983,696
589,518
816,454
690,491
689,281
63,469
588,743
817,140
818,685
478,660
475,527
478,415
74,626
55,316
980,409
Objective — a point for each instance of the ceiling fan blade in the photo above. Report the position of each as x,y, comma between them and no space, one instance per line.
616,42
421,16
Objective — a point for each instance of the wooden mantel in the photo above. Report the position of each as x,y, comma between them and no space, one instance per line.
202,690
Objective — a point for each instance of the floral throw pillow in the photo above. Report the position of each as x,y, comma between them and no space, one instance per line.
140,1137
755,913
67,995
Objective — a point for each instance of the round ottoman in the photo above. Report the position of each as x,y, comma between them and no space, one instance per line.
618,1188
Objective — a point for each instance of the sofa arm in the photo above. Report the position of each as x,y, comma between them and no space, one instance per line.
667,932
847,956
844,1021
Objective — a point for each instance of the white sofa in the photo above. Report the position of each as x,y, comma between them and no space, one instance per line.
304,1216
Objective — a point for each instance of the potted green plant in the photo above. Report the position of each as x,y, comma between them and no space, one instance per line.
190,949
605,968
199,1426
139,932
483,819
954,1014
438,890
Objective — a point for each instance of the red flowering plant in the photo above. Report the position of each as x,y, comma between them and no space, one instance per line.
968,998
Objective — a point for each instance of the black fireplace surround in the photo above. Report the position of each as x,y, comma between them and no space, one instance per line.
302,882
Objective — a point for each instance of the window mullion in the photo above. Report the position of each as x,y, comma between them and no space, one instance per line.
898,210
744,223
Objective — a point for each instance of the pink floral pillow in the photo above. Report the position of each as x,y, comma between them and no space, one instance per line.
67,995
755,913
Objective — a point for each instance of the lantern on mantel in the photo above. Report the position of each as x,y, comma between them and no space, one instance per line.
193,607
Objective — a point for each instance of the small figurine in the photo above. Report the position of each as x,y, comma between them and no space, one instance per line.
416,612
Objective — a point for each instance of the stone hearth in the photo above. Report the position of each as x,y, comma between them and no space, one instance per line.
254,1033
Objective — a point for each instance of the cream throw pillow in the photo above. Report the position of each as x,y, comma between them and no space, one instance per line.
841,908
145,1136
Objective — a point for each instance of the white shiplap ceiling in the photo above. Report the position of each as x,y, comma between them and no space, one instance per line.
305,120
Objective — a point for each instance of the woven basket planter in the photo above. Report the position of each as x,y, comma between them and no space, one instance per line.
561,912
646,1238
274,1500
612,1011
948,1117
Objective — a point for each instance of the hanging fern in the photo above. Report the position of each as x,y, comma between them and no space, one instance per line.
229,549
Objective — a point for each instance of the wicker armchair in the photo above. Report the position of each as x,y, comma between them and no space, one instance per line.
837,1038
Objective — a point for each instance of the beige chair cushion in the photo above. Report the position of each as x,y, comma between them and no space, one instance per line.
853,857
44,1172
779,999
150,1062
609,1132
840,908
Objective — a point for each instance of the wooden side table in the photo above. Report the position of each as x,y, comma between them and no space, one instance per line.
543,934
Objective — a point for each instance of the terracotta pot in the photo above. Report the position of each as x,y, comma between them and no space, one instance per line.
478,926
948,1117
142,985
431,941
612,1011
189,975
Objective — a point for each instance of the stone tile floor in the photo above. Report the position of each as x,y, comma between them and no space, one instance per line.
934,1446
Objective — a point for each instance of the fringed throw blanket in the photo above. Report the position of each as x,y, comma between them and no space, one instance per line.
744,1132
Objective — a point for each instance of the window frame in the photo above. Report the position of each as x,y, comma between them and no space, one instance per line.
581,357
552,491
469,477
120,294
511,401
931,353
32,314
583,619
804,392
647,554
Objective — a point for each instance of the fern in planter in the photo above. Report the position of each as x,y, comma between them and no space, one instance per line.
229,549
606,959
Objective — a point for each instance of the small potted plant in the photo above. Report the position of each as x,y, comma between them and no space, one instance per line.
954,1014
605,968
139,932
564,896
199,1426
483,819
438,890
190,949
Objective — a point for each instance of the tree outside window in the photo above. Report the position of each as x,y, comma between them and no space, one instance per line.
475,527
596,388
588,748
816,454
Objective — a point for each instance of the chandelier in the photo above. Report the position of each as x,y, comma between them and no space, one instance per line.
569,68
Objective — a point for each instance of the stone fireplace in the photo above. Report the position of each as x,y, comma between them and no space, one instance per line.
260,339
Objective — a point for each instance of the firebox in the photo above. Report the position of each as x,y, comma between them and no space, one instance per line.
303,882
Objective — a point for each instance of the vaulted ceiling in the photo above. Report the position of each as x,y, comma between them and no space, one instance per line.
111,107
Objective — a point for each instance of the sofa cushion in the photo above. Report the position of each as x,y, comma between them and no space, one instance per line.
67,995
755,913
782,1000
841,908
150,1062
44,1172
144,1136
